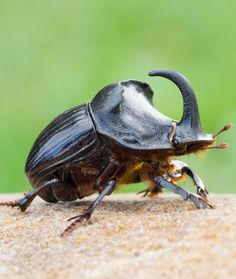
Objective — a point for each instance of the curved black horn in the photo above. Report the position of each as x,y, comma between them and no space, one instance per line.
190,113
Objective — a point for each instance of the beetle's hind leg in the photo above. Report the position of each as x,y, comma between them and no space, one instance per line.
199,201
180,170
25,202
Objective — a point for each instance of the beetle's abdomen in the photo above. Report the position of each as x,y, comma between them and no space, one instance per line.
69,137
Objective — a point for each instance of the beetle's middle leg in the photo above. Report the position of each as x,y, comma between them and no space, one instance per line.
105,184
152,190
25,202
144,174
88,212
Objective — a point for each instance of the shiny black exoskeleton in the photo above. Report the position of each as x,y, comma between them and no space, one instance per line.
117,138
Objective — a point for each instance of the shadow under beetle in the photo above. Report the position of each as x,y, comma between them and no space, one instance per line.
117,138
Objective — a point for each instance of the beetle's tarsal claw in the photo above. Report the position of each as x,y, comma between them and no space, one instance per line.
199,201
144,192
77,219
202,192
10,203
21,204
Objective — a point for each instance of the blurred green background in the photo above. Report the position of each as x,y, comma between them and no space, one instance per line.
57,54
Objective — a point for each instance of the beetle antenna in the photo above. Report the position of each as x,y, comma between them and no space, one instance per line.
225,128
219,146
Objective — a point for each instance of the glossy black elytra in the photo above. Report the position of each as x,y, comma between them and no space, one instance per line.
117,138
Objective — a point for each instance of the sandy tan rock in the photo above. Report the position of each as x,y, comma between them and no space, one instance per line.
128,237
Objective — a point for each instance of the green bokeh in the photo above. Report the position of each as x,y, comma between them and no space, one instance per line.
57,54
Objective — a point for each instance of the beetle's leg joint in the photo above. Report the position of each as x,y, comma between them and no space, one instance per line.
111,170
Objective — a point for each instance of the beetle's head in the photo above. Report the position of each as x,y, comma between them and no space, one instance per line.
188,136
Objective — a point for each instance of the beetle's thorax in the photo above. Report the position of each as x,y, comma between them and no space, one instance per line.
140,104
124,113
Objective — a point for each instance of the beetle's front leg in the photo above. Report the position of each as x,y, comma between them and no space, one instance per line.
181,169
197,200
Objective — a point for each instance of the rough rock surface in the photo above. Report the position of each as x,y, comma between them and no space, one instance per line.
127,237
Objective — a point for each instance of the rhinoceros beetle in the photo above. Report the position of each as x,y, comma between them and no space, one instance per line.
117,138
